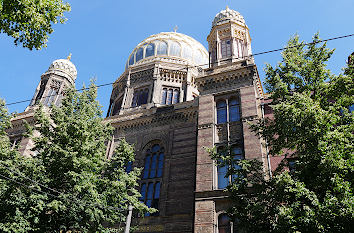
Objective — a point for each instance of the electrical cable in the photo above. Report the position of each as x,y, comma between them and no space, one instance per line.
200,66
74,200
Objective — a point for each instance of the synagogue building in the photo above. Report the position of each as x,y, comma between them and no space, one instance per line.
175,99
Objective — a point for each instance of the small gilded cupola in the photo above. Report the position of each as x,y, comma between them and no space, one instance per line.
229,39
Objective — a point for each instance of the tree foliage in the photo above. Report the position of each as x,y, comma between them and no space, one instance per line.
31,21
312,126
79,188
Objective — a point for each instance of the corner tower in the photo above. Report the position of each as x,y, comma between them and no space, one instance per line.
230,94
229,39
50,90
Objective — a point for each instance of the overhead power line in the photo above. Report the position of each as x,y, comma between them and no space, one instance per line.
195,66
71,199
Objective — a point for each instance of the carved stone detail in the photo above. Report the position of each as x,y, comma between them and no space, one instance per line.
173,75
141,76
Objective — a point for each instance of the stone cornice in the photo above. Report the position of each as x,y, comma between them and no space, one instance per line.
143,118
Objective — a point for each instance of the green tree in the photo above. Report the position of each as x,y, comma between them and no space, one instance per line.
80,188
31,21
19,204
312,125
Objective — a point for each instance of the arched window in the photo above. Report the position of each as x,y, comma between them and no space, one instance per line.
175,96
161,48
170,95
152,177
164,96
225,48
139,54
175,49
187,52
198,58
150,50
224,224
234,110
221,111
131,59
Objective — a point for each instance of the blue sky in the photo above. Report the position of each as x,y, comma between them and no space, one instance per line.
101,35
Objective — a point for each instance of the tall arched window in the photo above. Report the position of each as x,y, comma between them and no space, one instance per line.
175,96
164,96
175,48
139,54
221,111
161,48
187,52
152,177
225,48
131,60
150,50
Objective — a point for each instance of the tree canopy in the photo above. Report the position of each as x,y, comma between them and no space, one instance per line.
72,185
312,128
31,21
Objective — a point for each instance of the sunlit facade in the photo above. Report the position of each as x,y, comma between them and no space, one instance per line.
174,99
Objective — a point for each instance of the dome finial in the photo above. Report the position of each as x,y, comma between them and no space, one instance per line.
227,7
175,28
69,57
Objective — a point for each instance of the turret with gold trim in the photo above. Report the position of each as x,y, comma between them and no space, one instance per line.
60,75
229,39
